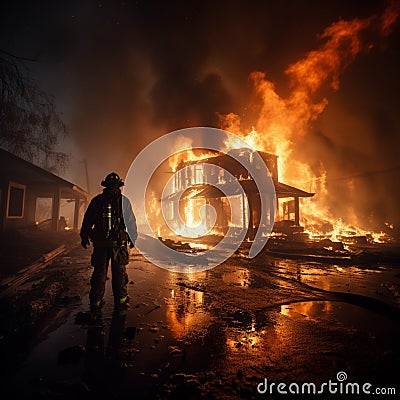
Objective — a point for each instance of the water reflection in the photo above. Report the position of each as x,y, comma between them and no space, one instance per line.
240,276
338,313
186,306
247,338
331,277
307,273
311,310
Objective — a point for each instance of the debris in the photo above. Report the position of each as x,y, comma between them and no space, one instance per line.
27,273
153,309
176,351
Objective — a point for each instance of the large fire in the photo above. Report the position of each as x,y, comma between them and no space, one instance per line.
181,155
282,120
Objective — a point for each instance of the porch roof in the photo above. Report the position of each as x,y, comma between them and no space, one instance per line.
229,189
17,169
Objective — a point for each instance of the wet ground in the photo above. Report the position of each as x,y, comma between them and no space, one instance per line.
219,333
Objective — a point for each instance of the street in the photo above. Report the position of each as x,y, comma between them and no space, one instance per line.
219,333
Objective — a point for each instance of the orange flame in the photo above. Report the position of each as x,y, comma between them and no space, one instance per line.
282,120
182,153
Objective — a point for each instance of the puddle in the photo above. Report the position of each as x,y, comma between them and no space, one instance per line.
368,282
344,314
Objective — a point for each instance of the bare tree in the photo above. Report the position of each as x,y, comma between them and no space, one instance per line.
30,126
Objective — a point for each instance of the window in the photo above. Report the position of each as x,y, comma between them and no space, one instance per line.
15,200
198,171
43,209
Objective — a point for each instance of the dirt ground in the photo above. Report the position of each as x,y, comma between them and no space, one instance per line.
216,334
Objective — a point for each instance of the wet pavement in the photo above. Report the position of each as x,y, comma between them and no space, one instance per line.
218,333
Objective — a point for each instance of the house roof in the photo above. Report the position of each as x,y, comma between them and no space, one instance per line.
228,158
16,168
229,189
283,190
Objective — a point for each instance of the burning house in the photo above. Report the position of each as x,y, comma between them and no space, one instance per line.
208,181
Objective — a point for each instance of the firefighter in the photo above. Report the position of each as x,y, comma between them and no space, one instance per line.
104,225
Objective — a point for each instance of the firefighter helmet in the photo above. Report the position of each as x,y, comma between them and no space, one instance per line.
112,179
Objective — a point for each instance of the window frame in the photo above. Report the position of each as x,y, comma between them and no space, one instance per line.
18,186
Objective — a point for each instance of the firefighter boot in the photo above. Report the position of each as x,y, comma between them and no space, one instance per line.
122,303
96,306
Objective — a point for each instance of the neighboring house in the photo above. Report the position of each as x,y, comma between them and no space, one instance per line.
196,184
30,195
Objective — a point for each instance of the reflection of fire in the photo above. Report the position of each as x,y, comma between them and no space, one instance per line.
248,339
282,120
310,309
185,312
239,277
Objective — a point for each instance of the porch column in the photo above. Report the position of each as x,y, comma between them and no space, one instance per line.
277,213
296,211
55,214
250,233
76,212
244,213
3,202
272,210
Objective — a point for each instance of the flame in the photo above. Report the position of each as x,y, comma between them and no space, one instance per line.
191,215
153,212
282,120
182,152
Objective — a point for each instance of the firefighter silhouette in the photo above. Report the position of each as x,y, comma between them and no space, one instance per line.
104,225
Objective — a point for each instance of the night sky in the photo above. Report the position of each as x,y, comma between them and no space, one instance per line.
125,72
